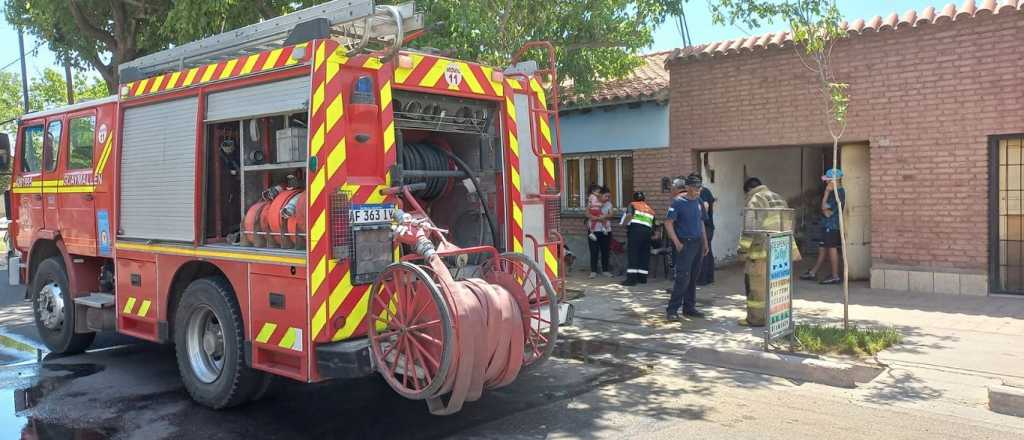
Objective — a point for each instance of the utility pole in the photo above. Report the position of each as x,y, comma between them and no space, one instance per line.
68,81
24,74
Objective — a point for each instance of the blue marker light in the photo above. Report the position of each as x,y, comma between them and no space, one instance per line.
363,93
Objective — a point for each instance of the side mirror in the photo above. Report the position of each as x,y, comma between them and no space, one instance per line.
5,154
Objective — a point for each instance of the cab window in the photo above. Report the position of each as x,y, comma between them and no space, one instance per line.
51,145
32,149
83,131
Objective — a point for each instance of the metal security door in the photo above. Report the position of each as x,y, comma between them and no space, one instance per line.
1006,221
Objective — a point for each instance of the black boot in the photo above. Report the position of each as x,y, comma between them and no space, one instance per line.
630,280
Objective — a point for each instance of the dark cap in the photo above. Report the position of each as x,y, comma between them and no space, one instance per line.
693,180
639,196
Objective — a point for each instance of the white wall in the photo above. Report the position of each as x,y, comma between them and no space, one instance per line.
779,168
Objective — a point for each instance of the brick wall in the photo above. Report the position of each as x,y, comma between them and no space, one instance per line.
649,166
925,98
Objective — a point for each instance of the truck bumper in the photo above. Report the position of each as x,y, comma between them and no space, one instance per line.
344,359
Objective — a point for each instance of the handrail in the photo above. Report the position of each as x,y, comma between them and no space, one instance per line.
553,97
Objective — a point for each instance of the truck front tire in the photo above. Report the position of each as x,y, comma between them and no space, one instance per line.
209,336
54,309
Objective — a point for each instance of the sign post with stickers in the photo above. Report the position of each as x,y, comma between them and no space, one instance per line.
779,310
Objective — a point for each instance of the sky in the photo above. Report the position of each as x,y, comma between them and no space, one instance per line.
666,36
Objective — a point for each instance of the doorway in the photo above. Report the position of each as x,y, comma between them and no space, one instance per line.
1006,214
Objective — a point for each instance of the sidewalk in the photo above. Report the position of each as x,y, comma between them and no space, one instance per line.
954,346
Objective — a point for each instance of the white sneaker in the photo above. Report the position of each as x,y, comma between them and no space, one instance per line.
593,275
608,274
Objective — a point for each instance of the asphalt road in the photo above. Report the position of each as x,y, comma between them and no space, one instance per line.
125,389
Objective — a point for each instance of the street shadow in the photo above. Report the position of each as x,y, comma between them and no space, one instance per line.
902,386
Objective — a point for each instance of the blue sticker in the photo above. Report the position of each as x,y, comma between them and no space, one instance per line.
103,231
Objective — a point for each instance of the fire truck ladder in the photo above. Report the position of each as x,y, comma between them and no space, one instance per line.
354,23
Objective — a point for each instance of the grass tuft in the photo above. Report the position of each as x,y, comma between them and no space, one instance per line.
823,339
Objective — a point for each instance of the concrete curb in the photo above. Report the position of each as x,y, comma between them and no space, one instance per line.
1005,399
823,371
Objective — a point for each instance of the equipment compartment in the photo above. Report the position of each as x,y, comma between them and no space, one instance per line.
256,174
451,144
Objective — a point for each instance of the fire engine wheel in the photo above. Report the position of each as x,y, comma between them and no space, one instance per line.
54,311
410,329
537,299
208,338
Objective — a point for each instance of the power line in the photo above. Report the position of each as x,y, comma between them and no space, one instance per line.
32,52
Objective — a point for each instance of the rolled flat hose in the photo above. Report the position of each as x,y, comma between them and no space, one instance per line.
273,219
489,341
253,224
297,221
445,341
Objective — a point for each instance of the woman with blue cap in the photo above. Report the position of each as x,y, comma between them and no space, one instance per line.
832,238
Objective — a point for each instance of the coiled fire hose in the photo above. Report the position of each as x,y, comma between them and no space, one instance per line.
441,340
489,341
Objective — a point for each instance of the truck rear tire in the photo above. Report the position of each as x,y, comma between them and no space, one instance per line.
209,337
54,309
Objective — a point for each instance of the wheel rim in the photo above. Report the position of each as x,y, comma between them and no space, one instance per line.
537,299
410,331
51,306
205,343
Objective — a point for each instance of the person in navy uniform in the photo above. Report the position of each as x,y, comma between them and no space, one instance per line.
707,265
685,228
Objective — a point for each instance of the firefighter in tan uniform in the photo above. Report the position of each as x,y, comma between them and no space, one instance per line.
754,250
640,218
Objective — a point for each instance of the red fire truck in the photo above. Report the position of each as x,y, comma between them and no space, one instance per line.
301,198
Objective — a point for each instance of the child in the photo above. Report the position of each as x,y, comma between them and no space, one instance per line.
598,210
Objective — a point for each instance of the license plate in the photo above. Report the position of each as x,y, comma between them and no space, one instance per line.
367,214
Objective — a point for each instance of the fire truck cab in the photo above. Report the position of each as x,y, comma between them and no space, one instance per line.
238,196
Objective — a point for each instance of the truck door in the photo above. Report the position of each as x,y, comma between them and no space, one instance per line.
532,216
75,196
28,189
52,142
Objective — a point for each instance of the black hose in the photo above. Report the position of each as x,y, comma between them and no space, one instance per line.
423,157
476,184
429,157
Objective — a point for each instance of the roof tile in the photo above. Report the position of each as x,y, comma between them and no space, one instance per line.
648,81
894,22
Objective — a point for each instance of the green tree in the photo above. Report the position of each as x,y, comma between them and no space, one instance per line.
595,38
816,29
102,34
46,91
10,101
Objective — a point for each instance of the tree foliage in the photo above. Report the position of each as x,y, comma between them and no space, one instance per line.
102,34
595,38
45,92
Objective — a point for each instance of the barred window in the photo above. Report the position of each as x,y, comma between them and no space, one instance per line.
614,170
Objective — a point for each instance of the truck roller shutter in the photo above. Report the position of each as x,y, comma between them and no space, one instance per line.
278,97
158,167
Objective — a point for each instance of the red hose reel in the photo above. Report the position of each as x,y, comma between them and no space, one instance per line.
444,340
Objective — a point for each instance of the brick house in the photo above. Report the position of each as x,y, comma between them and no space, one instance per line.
616,136
932,153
